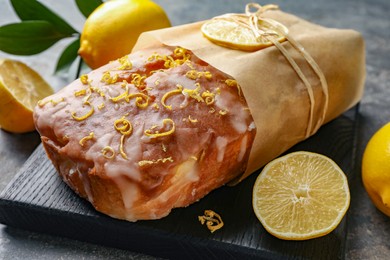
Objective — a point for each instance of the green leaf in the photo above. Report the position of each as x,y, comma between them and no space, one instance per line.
68,56
86,7
28,10
28,37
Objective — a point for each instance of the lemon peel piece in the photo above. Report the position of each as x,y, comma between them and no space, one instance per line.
223,112
169,94
194,74
212,220
169,61
194,93
137,79
123,126
121,96
84,79
81,92
208,97
157,134
233,83
41,103
121,149
107,78
125,63
141,100
192,120
160,160
108,152
85,116
86,138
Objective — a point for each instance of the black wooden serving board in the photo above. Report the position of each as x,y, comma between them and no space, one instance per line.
37,200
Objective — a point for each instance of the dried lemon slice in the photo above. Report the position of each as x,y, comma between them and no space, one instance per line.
301,196
234,34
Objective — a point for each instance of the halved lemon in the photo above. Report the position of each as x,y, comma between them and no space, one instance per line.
20,89
300,196
231,34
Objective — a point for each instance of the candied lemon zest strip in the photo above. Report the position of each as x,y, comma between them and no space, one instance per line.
166,121
122,95
207,74
52,101
189,64
123,126
101,106
208,97
212,219
137,79
125,63
108,152
84,79
107,78
194,74
169,94
192,120
141,100
86,138
164,148
88,114
169,61
160,160
97,90
81,92
223,112
194,93
233,83
121,150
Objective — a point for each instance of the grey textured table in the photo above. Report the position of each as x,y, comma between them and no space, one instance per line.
368,229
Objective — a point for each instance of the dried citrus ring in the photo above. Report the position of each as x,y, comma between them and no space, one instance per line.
235,35
301,196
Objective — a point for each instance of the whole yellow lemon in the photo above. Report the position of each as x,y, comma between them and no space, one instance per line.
376,169
111,30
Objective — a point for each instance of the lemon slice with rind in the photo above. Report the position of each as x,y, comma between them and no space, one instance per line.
231,33
301,196
20,89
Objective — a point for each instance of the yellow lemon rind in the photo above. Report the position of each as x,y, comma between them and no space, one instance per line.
255,46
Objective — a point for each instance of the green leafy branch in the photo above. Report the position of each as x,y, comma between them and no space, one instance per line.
40,28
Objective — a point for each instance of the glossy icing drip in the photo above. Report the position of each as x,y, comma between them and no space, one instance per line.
221,143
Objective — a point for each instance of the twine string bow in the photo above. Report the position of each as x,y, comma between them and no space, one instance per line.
252,20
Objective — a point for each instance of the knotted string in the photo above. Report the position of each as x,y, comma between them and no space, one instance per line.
250,20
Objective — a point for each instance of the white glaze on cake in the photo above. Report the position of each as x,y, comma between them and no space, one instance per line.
148,168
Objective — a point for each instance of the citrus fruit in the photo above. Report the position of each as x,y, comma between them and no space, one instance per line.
376,169
233,35
20,90
112,29
300,196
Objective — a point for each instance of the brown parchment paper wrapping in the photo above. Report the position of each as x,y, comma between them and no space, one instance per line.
276,96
